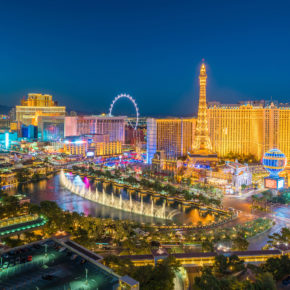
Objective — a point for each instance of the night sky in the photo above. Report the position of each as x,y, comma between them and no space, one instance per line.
87,52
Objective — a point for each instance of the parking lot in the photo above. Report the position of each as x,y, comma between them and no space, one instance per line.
51,266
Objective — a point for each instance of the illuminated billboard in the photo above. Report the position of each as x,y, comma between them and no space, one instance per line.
274,183
90,154
281,183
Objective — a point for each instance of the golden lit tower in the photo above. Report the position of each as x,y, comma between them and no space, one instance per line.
202,141
202,149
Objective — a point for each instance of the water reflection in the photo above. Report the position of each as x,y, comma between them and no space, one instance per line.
52,190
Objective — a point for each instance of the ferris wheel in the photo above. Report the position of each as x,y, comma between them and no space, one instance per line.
126,96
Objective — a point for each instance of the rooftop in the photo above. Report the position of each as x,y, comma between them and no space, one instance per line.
51,265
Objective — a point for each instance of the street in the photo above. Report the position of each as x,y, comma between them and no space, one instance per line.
280,215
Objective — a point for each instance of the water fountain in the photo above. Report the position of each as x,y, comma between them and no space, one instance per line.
106,199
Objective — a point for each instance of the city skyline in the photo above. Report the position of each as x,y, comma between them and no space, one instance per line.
144,145
89,54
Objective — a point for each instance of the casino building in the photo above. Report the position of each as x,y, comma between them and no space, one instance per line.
172,136
36,105
249,128
252,127
114,127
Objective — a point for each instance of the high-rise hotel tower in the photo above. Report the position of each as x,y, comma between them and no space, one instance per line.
249,128
37,105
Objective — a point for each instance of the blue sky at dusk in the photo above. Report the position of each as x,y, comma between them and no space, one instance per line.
87,52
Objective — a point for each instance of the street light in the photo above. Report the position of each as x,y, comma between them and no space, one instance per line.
45,246
86,276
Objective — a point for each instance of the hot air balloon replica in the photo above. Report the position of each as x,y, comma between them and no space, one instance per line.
274,162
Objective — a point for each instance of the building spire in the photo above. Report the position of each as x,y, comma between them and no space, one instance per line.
202,70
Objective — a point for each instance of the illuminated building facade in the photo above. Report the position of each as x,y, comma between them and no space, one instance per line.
6,138
108,148
250,128
14,126
81,125
161,164
37,105
51,128
29,132
8,179
135,136
230,177
74,146
91,145
172,136
4,122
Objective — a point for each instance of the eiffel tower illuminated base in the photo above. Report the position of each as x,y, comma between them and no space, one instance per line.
203,156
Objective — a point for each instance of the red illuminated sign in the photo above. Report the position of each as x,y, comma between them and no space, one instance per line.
270,183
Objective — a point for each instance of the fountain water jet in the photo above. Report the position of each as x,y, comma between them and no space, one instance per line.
135,207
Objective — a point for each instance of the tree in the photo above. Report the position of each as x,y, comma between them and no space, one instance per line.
155,244
157,186
50,209
283,237
240,243
186,195
131,180
33,208
120,265
22,174
207,246
207,281
108,174
36,176
265,281
12,242
224,265
278,267
150,277
10,206
236,264
82,237
221,264
30,236
159,277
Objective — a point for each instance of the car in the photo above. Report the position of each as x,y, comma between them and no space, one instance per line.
5,265
29,258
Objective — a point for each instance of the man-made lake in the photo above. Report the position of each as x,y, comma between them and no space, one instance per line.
53,190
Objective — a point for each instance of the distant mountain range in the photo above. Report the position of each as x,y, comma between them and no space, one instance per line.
5,111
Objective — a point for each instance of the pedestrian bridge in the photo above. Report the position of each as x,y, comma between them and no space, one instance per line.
204,259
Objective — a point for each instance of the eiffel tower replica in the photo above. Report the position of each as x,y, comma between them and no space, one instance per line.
202,148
